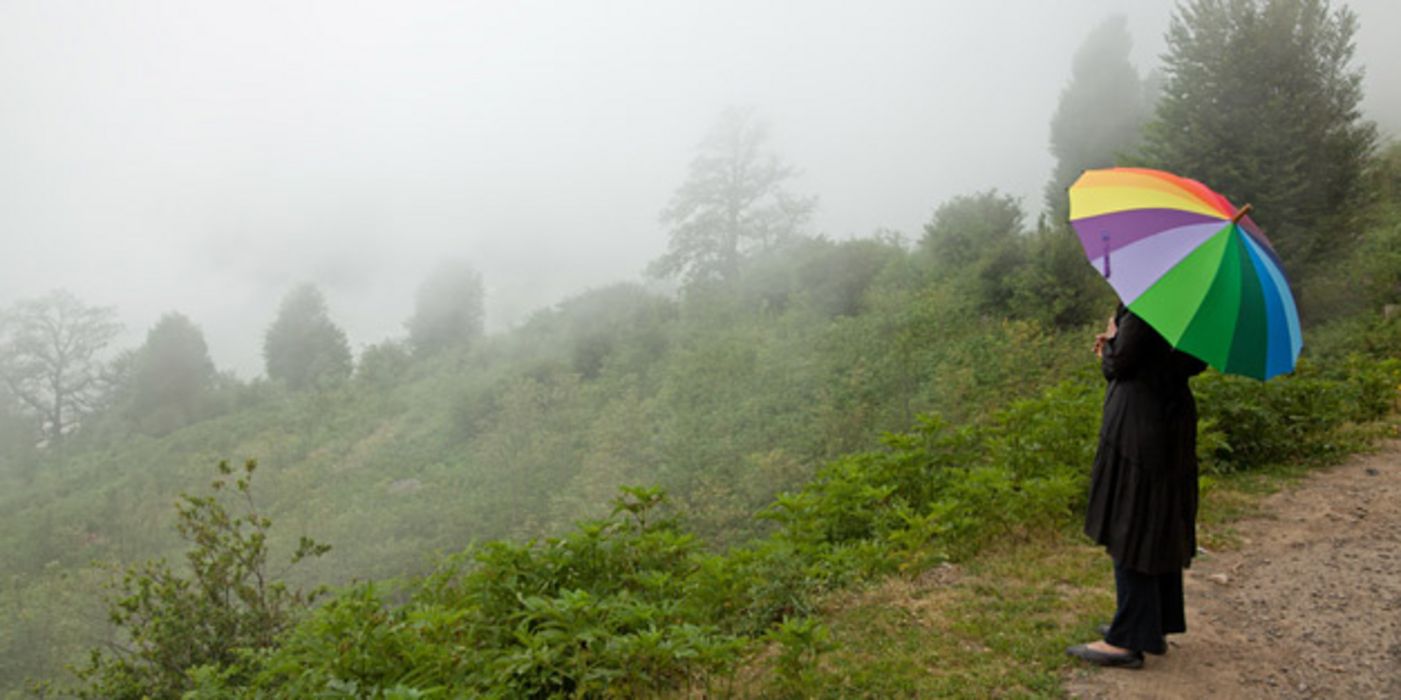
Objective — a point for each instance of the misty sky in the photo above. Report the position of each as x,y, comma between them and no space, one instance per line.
206,157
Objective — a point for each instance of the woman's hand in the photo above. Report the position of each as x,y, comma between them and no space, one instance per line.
1110,330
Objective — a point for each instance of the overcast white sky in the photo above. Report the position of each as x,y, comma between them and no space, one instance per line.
205,157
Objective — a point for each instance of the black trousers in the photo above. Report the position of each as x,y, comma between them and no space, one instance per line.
1150,606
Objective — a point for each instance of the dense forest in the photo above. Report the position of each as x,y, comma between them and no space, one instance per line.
646,486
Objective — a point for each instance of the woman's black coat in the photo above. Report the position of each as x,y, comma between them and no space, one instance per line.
1143,490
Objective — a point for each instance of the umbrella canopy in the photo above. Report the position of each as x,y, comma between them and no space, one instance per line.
1192,266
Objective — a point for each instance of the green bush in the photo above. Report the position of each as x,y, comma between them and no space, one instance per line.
1295,418
229,603
607,611
940,492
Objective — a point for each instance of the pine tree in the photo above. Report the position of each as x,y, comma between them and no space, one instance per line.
447,310
1100,114
303,348
733,204
171,375
1261,103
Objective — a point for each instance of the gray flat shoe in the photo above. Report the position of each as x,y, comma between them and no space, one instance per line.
1132,659
1104,632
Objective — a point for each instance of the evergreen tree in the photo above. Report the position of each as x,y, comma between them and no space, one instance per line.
732,204
303,348
1100,114
171,375
1260,102
448,309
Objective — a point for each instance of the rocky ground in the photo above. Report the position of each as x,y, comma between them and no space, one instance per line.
1308,606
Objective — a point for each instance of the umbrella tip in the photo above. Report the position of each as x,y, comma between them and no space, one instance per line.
1241,213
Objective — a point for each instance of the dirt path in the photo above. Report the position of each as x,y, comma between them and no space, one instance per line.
1309,606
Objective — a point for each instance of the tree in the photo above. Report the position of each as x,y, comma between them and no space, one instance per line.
1260,102
978,241
732,204
49,360
1056,286
383,364
448,309
171,375
1100,114
829,277
303,348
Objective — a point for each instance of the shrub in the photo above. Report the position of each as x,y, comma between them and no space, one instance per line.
1295,418
228,605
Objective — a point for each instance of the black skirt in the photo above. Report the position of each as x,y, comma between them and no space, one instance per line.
1143,488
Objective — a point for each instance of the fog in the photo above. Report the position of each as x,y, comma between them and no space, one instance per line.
205,158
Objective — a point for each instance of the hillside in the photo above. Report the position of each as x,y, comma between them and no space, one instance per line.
528,433
808,467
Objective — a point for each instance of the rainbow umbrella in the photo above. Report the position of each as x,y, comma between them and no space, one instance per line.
1190,265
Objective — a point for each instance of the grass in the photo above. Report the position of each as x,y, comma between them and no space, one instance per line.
996,626
993,627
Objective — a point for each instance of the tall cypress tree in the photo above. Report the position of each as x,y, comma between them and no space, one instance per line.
1100,114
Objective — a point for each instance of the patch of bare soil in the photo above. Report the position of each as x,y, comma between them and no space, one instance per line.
1309,606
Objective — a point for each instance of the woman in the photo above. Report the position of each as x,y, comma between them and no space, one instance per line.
1143,490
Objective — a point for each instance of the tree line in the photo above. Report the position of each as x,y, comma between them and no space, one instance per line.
54,375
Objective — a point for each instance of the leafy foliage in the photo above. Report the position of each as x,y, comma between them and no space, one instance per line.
228,604
1056,287
383,364
1296,419
605,611
978,240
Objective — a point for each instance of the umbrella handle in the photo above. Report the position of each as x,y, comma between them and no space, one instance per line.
1240,214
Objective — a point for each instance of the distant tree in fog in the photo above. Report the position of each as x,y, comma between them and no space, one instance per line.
1261,102
731,205
448,311
968,228
170,375
978,239
383,364
49,358
303,348
1100,114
